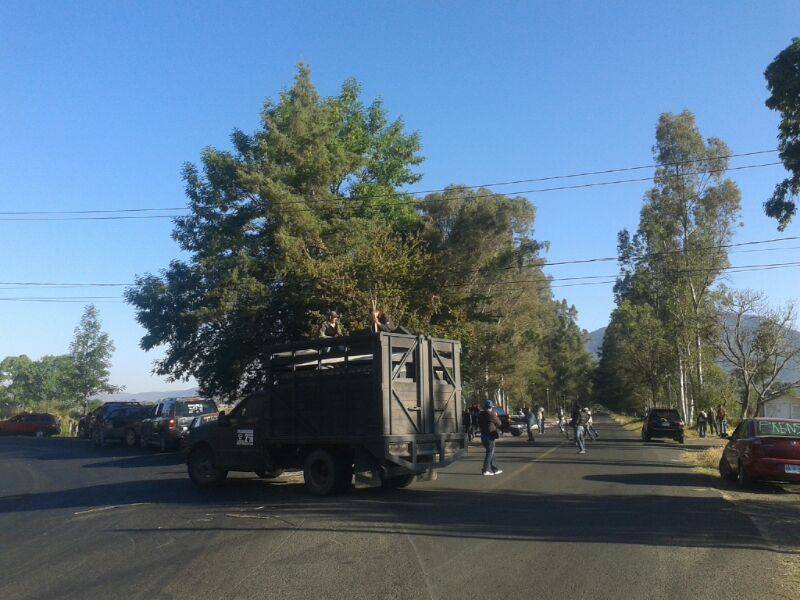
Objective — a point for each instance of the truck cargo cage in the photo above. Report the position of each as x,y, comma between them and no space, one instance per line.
396,395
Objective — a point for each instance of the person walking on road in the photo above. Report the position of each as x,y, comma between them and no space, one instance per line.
722,419
590,430
702,422
530,419
489,424
540,418
562,422
579,421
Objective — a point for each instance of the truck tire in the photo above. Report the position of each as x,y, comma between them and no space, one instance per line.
269,474
202,468
143,442
131,439
516,432
395,483
325,474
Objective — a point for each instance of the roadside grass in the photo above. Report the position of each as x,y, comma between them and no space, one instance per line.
628,423
704,460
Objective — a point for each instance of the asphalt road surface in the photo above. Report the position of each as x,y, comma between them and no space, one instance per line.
626,520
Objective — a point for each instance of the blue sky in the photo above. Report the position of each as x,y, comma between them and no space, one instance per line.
101,103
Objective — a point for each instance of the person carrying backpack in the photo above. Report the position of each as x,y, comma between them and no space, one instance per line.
702,422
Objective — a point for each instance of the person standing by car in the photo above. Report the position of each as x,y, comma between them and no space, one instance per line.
530,420
722,419
702,422
489,423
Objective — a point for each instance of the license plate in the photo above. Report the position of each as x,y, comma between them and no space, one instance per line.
793,469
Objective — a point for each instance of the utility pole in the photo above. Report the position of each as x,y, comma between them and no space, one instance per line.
548,399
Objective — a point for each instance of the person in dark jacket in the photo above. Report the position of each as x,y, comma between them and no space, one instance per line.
530,421
489,424
702,423
579,422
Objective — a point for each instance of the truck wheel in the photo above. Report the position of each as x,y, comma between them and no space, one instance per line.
516,432
269,474
130,438
202,468
322,475
395,483
39,433
143,442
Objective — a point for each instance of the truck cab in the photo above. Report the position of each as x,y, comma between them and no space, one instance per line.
385,407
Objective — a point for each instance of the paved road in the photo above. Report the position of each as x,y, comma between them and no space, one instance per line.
627,520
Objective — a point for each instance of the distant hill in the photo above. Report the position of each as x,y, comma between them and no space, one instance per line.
594,344
147,396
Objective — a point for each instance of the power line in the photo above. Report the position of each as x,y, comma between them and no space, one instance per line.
343,202
59,285
608,279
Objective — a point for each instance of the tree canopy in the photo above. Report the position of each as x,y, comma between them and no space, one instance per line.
783,82
309,214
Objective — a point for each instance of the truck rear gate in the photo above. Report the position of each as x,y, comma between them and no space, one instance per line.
396,395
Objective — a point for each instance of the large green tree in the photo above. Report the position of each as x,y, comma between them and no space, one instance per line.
678,251
91,351
308,214
783,82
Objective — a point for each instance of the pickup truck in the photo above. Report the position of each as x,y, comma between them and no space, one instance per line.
385,407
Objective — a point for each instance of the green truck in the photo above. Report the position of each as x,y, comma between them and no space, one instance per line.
383,407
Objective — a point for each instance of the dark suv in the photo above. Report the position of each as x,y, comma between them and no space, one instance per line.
171,418
663,423
118,422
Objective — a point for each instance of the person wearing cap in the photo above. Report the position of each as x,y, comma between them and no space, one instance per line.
331,327
489,423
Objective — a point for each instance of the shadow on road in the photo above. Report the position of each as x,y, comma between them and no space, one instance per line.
653,520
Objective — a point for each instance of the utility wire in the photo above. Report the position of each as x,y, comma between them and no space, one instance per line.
57,285
343,202
609,279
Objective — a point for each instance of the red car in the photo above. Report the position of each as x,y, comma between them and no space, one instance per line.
36,424
763,450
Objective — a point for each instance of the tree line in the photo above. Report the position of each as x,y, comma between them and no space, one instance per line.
674,323
64,383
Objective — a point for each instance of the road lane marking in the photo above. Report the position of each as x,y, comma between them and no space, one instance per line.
102,508
527,466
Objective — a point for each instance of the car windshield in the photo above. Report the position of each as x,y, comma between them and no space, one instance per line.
665,414
195,408
778,428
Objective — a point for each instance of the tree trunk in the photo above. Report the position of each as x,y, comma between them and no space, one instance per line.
682,389
699,348
745,401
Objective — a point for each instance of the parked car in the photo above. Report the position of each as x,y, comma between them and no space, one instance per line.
663,423
118,421
508,424
170,420
35,424
763,449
